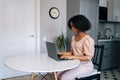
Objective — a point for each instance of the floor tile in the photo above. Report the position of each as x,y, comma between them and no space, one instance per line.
112,74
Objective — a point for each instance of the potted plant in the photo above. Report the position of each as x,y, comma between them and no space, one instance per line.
61,42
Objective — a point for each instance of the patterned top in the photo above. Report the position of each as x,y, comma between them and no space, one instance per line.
85,46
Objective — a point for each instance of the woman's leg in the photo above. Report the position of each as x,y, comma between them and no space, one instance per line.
82,69
59,74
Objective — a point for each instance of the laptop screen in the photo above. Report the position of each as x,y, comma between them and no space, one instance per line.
52,50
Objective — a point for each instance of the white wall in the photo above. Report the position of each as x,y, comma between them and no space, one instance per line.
51,27
27,16
17,24
89,8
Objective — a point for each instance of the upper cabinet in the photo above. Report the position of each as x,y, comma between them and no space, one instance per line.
103,10
113,10
103,3
109,10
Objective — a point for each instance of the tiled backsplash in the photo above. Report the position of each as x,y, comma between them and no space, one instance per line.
115,29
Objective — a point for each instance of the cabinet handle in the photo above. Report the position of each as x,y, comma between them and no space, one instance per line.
106,56
116,18
106,49
107,3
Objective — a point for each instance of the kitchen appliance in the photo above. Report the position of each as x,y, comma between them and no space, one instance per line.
103,13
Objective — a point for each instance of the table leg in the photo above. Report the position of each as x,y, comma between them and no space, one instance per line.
32,76
55,75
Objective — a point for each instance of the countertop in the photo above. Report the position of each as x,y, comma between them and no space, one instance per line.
104,40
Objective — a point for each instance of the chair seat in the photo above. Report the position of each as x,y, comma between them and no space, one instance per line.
91,74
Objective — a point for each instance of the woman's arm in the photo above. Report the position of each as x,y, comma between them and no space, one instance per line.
82,58
65,53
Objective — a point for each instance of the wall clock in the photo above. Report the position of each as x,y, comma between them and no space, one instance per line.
54,12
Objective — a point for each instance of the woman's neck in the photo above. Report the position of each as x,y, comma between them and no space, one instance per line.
80,35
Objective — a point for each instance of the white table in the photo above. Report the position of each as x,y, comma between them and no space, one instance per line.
39,63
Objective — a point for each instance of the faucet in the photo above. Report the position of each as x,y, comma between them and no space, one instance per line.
99,35
110,35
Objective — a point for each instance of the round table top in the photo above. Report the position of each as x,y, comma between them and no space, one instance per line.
39,63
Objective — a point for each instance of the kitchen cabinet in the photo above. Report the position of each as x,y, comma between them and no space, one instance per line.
116,53
107,55
111,54
89,8
113,10
103,3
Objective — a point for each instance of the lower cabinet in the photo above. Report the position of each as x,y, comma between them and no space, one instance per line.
111,57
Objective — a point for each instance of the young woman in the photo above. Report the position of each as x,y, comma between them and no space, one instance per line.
82,48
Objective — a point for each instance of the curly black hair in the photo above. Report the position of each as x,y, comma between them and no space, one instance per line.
80,22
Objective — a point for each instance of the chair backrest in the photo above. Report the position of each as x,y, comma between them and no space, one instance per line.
98,56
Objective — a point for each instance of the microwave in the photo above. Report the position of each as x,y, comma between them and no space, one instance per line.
103,13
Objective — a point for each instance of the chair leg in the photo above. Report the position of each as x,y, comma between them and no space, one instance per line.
55,75
98,77
32,76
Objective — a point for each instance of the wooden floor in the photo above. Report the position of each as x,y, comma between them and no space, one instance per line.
27,77
112,74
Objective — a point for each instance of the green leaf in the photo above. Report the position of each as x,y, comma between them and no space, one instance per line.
61,42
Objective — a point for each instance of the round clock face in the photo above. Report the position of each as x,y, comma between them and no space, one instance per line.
54,13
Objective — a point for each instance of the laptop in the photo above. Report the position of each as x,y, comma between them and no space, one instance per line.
52,51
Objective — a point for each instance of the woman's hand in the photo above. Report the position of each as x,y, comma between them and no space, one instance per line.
60,53
67,57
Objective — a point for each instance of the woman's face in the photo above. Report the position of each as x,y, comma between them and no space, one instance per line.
73,28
